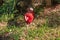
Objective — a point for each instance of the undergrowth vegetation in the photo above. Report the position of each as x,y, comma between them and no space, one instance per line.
15,27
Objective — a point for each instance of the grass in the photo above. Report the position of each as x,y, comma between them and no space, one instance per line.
41,33
33,32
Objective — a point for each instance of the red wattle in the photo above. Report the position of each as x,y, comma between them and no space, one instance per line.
29,17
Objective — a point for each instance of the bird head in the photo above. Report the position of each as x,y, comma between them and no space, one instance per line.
30,10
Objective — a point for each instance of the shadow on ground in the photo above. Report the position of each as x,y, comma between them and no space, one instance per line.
16,22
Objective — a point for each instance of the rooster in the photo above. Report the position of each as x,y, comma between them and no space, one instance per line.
29,15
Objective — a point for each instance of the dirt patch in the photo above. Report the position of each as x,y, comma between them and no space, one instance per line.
3,25
56,8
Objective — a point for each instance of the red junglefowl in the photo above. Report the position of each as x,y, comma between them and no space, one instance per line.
29,15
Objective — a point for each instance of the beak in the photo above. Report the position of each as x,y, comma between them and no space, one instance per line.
31,9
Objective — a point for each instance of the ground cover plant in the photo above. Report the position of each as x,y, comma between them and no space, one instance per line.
46,25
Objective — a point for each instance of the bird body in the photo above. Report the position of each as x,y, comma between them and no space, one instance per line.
29,16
